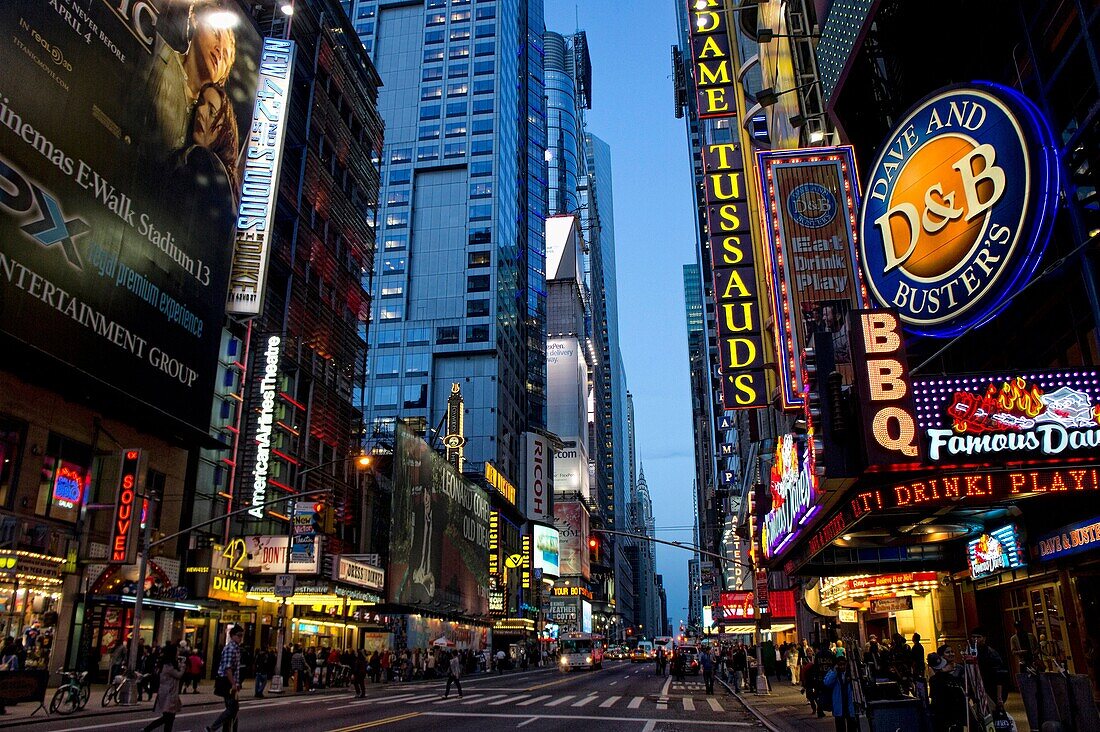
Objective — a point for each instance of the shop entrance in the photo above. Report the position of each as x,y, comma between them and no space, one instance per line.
1040,608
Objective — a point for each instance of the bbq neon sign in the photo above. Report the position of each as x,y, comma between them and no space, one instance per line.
123,543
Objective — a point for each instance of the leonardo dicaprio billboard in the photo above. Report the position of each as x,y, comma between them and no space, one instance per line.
440,535
121,129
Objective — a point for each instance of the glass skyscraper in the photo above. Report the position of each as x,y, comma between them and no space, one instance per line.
459,281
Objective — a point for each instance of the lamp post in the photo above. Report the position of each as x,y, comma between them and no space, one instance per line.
362,462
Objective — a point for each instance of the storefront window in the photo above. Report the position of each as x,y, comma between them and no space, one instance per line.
64,478
11,442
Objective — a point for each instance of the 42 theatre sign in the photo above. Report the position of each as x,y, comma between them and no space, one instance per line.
958,207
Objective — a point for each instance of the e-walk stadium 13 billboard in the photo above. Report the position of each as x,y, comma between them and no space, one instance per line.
122,126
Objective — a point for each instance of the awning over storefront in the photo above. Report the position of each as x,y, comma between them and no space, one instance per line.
313,592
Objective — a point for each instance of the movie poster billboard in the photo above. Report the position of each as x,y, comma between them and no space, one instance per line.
121,131
811,198
571,521
439,540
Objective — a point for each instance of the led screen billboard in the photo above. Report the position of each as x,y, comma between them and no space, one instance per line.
571,521
121,131
547,550
439,539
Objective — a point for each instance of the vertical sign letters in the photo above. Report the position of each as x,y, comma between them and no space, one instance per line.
123,545
263,159
885,391
733,259
710,55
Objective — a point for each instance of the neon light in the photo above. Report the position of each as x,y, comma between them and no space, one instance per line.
122,540
68,485
994,552
263,426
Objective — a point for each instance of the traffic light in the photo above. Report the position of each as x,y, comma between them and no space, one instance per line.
593,547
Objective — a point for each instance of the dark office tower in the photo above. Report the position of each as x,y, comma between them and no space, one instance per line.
459,283
301,428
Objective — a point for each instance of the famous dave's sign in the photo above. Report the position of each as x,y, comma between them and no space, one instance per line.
1029,416
958,207
793,492
810,202
994,552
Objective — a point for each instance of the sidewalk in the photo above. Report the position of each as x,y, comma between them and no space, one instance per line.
785,709
21,714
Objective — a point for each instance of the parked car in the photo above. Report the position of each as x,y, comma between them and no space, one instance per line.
691,658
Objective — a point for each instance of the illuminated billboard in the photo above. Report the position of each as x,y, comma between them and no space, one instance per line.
439,538
263,160
121,130
1036,416
959,207
741,354
994,552
711,61
794,492
810,204
571,521
547,551
881,371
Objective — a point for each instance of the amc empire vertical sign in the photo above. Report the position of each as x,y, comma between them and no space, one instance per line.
729,227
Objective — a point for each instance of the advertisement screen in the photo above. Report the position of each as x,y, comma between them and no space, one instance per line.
586,616
571,521
547,551
121,130
994,552
439,544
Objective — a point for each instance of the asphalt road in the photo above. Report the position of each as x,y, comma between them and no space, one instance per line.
620,697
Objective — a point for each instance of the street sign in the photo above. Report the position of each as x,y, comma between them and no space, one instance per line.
284,585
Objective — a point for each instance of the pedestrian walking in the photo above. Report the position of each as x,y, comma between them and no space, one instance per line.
228,681
991,667
168,690
839,681
706,664
262,658
454,673
359,674
192,672
500,662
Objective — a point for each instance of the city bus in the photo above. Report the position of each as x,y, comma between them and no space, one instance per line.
580,650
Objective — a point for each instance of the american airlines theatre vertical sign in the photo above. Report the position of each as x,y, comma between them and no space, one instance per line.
729,220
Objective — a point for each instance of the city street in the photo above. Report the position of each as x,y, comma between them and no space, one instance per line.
621,696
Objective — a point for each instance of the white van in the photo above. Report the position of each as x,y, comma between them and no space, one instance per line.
643,652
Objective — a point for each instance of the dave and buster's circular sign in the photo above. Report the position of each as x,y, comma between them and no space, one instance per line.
958,207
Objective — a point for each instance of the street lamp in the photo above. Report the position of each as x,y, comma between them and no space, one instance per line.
362,461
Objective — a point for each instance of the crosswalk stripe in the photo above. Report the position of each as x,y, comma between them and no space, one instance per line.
509,700
689,704
609,701
584,701
485,699
560,700
714,705
635,702
532,701
464,696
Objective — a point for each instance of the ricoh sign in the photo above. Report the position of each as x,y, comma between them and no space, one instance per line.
539,506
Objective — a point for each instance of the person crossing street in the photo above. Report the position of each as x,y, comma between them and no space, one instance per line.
454,673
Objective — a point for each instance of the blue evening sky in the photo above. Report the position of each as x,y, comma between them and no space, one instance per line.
632,110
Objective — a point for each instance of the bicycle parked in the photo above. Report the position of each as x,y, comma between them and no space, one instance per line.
73,693
124,686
